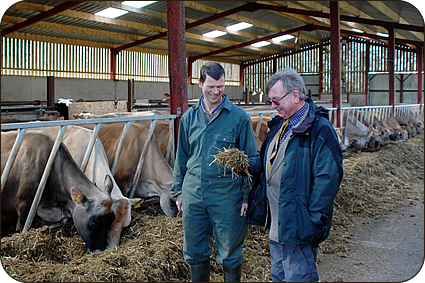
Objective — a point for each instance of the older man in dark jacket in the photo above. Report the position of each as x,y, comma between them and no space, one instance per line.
300,165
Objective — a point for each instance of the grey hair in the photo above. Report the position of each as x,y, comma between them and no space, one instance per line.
290,79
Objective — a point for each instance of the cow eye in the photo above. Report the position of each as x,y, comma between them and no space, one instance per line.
93,225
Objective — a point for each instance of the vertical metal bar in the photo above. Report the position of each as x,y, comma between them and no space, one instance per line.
391,67
44,178
90,147
257,128
120,146
345,131
419,60
12,156
142,159
336,60
170,140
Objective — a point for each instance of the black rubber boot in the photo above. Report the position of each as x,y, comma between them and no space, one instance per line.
200,272
232,274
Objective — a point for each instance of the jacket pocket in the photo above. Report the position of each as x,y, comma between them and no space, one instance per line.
308,232
224,140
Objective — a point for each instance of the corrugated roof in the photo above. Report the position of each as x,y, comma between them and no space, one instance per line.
80,23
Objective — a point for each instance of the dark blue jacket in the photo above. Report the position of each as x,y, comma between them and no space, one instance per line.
310,180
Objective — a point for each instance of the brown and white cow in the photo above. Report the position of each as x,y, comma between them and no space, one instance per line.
76,140
156,176
68,192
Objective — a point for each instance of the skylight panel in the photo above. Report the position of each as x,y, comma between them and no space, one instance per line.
214,33
382,34
260,44
282,38
111,13
138,4
357,30
239,26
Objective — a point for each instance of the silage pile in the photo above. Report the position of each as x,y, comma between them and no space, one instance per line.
374,184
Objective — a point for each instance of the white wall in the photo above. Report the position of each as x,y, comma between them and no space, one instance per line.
19,88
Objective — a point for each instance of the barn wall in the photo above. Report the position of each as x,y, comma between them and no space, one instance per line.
379,89
19,88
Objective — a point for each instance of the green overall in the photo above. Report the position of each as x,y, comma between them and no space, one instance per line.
210,200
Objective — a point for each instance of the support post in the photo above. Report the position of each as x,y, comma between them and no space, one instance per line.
50,91
419,60
367,60
130,96
336,61
113,59
391,68
241,72
320,70
177,60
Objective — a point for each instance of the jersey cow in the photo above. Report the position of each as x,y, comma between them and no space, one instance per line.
77,140
156,176
67,193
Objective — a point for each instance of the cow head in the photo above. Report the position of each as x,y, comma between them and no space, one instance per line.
166,201
122,210
93,216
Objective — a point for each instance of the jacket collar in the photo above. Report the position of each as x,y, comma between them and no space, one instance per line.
305,126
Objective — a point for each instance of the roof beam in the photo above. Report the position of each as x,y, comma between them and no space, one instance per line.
42,16
308,27
204,8
246,7
342,17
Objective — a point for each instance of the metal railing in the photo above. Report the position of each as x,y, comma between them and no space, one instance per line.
367,113
22,128
361,113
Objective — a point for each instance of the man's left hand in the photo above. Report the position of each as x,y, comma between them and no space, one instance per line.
244,209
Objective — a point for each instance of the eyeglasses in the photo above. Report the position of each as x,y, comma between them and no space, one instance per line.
276,101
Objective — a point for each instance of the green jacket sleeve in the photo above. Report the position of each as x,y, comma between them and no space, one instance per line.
248,145
182,155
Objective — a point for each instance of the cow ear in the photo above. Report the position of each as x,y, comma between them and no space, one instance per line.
78,196
109,184
136,202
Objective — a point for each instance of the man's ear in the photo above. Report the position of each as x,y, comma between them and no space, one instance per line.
199,83
297,95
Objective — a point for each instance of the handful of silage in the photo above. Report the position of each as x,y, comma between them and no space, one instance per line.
233,158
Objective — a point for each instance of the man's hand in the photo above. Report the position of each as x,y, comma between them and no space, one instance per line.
244,209
179,203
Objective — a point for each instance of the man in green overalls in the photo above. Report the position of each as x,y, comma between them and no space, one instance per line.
209,199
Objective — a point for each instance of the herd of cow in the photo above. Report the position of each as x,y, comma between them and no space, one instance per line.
96,200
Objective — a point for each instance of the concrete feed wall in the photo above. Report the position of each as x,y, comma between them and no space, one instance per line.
19,88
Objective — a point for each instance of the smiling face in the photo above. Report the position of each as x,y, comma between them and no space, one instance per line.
287,106
213,91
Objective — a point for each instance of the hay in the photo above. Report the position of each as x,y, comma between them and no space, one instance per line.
374,184
233,158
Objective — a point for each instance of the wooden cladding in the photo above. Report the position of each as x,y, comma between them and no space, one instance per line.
354,56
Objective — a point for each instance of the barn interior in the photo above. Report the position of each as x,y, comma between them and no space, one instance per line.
362,60
59,51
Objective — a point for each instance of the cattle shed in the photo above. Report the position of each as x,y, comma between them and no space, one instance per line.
354,53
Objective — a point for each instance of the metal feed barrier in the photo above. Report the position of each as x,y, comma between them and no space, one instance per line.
22,128
364,112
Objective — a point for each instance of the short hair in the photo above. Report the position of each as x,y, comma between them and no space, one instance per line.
212,69
290,79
